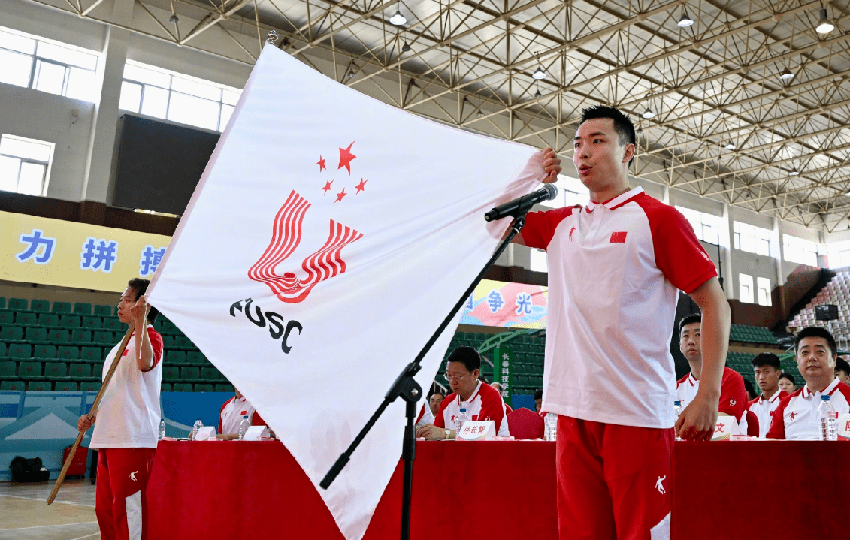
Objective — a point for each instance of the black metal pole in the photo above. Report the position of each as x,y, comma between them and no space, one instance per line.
408,453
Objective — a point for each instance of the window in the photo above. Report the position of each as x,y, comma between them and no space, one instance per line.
538,261
51,67
571,192
746,288
706,226
24,165
752,239
152,91
763,291
800,251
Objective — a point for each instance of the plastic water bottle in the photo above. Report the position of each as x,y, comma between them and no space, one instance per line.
828,420
162,430
551,429
198,425
677,408
243,427
462,418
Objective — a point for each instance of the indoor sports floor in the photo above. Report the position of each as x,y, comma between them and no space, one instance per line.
24,512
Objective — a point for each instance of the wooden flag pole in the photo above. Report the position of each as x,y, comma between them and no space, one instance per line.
94,406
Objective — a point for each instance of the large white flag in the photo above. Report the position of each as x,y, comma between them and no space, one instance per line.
329,236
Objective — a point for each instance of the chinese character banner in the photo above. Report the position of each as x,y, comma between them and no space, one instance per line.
494,303
55,252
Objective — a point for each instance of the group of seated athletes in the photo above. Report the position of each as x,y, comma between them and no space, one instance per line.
781,411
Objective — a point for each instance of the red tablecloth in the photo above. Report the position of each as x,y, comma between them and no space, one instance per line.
496,490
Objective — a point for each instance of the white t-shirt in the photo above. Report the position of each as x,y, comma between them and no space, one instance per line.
425,416
614,271
129,413
232,412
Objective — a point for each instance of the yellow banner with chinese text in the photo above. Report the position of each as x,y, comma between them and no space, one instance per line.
55,252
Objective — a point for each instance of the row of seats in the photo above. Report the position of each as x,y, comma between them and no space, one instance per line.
72,386
61,336
55,320
90,354
751,334
44,306
34,370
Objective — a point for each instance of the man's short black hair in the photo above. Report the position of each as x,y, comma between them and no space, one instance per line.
538,394
467,356
842,365
140,287
786,375
622,124
766,359
690,319
815,331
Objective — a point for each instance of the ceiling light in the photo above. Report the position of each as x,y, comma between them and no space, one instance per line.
539,74
824,26
648,114
685,21
398,19
405,47
729,146
173,19
794,172
786,75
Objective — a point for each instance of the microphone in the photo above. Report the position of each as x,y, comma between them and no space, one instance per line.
522,204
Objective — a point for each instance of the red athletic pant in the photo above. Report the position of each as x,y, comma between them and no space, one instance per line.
122,473
613,481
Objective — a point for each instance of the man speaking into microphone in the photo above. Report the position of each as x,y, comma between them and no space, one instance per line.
614,269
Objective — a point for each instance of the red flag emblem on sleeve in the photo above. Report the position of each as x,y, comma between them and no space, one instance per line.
618,237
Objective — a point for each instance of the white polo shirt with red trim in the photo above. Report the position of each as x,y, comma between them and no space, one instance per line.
614,271
129,413
232,412
763,408
796,416
485,403
733,393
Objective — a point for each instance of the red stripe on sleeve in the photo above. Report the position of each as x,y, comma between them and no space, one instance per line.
777,419
540,226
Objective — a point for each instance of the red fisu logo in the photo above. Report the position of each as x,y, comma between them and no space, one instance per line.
323,264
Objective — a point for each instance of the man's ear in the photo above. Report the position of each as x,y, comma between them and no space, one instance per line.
629,153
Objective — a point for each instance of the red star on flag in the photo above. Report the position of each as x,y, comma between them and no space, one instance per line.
327,186
340,195
345,157
361,186
321,163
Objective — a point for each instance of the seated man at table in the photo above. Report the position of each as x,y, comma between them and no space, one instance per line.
538,400
796,416
733,394
842,370
231,415
429,409
767,372
481,401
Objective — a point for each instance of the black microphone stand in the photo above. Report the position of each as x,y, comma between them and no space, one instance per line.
406,387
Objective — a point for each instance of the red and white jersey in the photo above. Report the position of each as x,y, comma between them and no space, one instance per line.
614,271
129,413
796,416
232,412
763,408
485,403
733,393
425,416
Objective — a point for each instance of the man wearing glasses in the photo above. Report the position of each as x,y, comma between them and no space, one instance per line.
481,401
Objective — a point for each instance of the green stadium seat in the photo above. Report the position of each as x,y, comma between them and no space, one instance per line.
19,304
36,334
49,320
93,355
81,372
114,325
92,323
66,386
7,318
190,373
2,350
182,387
30,371
41,306
170,373
39,386
8,371
44,350
81,337
211,374
68,352
90,386
20,350
12,334
61,307
204,388
13,386
176,357
82,308
55,370
106,339
224,388
58,336
168,342
166,387
26,318
103,311
70,321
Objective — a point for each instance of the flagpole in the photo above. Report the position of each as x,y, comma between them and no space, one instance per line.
406,387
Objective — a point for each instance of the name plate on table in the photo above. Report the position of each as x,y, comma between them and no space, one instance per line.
205,433
256,433
477,431
725,428
844,426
